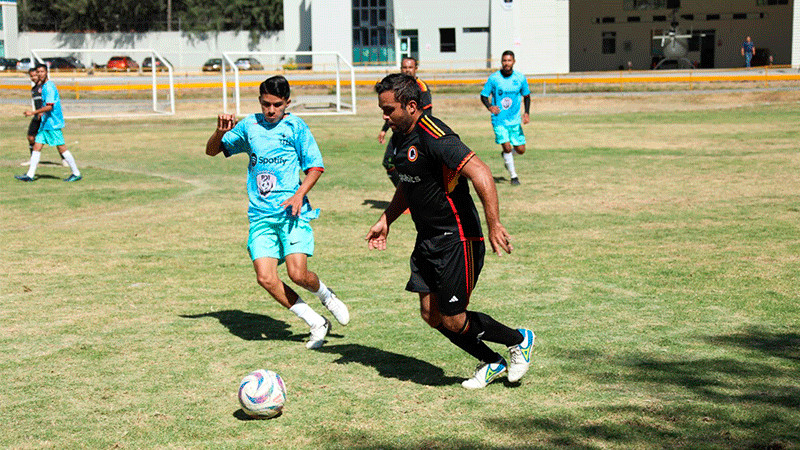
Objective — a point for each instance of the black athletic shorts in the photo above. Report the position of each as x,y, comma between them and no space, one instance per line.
33,128
447,267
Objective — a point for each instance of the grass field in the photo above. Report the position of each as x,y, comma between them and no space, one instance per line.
657,257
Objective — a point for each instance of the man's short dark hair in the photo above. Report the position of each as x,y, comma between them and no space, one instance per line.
405,88
32,69
508,52
40,65
416,63
277,86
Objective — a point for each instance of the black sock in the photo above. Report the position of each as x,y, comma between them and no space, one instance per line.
30,147
481,326
471,345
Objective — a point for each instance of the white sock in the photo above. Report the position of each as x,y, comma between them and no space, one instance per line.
323,292
303,311
35,157
509,159
71,161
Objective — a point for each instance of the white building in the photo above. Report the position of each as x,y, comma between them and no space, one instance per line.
447,34
8,28
548,36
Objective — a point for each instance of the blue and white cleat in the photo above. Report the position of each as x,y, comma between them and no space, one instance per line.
521,355
485,373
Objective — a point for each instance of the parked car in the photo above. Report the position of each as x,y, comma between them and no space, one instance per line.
147,64
24,64
75,63
58,63
122,63
248,64
8,64
214,65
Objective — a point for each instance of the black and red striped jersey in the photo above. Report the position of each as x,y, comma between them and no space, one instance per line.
429,160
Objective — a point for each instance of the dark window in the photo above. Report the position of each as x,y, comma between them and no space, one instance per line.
712,17
634,19
659,18
475,30
739,16
447,40
694,44
687,16
609,42
608,20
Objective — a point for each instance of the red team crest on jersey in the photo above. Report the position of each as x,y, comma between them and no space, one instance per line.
412,153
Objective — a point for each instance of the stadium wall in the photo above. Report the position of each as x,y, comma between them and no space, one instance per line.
186,51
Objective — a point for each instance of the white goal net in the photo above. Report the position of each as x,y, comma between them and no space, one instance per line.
110,82
321,82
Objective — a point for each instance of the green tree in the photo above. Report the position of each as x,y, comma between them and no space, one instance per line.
255,16
228,15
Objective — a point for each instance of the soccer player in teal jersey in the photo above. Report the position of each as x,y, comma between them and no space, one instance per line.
506,87
50,129
279,145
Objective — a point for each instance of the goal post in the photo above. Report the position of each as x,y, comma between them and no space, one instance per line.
311,93
106,94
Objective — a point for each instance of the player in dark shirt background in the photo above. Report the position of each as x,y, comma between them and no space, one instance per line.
433,167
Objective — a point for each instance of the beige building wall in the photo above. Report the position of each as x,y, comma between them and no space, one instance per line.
770,26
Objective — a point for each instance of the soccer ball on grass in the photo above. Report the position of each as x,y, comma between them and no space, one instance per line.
262,394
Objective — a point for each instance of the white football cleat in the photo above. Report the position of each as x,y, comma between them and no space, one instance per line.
337,308
521,355
318,334
485,373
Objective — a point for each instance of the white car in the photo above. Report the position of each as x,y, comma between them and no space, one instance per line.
24,64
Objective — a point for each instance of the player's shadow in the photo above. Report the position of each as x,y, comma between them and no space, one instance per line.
47,177
391,365
376,204
249,326
498,180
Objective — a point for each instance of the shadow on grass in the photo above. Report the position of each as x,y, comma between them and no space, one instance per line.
783,345
391,365
744,399
376,204
249,326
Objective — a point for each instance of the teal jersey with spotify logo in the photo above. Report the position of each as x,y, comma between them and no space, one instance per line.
506,93
277,152
54,119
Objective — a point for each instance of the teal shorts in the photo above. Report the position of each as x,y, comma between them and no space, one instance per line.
50,137
513,134
269,239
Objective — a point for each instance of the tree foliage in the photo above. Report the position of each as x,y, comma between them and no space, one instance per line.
150,15
226,15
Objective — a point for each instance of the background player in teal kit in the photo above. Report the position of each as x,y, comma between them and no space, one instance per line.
50,129
279,146
506,87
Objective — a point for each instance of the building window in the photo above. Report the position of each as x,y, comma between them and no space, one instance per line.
609,42
447,40
373,35
638,5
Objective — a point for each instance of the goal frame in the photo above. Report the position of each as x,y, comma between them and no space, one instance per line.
35,56
340,66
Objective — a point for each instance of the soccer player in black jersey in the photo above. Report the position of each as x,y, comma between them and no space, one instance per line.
433,166
409,67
